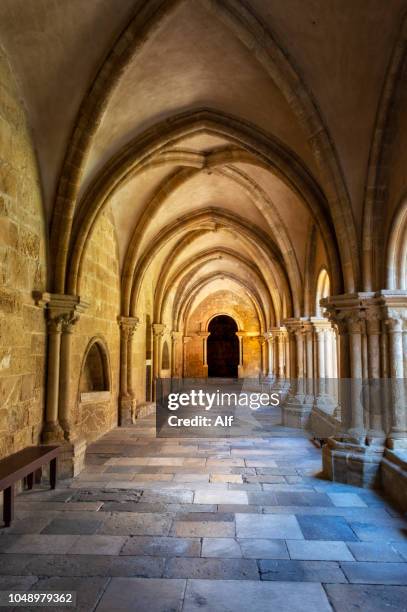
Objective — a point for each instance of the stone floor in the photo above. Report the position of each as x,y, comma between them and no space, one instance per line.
162,525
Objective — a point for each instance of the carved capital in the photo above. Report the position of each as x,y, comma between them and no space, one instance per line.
128,325
158,330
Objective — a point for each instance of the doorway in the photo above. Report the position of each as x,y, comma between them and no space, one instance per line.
223,348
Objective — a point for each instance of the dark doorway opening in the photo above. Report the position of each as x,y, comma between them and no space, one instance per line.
223,348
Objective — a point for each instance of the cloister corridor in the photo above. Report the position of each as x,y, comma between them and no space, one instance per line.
203,196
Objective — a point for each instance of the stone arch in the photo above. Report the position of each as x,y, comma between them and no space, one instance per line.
183,310
392,99
207,219
236,319
186,273
396,260
210,255
249,29
264,151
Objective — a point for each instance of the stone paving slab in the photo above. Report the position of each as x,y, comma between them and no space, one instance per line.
301,571
162,546
367,598
240,596
270,526
149,595
212,569
323,550
376,573
375,551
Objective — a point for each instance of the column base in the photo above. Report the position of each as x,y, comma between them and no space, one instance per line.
352,463
295,414
127,411
72,458
52,433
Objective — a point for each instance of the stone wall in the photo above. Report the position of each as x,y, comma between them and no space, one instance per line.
22,270
101,288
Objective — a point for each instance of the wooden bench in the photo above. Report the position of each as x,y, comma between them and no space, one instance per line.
25,464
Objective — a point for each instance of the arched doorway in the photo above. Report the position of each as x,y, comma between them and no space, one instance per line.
223,348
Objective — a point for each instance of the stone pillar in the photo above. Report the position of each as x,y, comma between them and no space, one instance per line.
398,435
65,411
375,433
158,332
240,367
356,329
52,430
127,401
186,339
281,353
176,357
348,457
62,312
296,411
309,362
204,336
269,346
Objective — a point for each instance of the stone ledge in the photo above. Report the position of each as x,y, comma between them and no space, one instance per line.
394,476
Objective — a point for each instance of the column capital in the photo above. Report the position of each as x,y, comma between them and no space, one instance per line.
128,325
203,334
158,329
176,335
62,309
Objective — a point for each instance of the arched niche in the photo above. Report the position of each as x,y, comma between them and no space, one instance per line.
95,369
94,389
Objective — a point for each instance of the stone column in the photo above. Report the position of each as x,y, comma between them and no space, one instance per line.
176,359
204,336
309,362
68,322
62,312
158,333
375,433
281,353
269,341
240,367
186,339
356,329
52,430
127,402
398,434
347,457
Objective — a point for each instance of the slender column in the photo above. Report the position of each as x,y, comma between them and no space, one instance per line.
186,339
398,433
281,351
128,326
176,371
62,312
309,361
52,428
355,327
376,425
158,332
68,322
269,338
